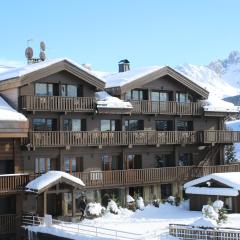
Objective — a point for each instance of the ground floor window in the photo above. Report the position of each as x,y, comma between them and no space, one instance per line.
136,191
166,191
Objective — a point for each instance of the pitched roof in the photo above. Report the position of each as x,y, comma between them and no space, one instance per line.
231,179
23,75
129,79
51,178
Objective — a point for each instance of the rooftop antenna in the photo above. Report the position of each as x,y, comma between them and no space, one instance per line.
29,53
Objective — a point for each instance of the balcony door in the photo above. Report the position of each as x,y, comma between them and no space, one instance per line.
110,125
44,124
42,164
73,164
68,90
133,161
111,162
183,97
6,166
134,125
164,125
46,89
74,125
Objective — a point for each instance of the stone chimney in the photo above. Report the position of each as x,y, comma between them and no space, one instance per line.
123,65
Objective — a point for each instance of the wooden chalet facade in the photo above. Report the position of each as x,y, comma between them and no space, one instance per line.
165,140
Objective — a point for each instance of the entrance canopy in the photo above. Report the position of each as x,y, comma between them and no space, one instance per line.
52,178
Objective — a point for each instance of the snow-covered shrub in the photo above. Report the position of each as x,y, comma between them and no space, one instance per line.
140,203
216,211
130,199
131,203
171,200
204,222
94,209
209,212
218,206
112,207
156,203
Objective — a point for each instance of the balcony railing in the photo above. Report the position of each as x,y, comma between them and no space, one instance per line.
170,108
7,223
58,103
217,136
13,182
97,138
118,178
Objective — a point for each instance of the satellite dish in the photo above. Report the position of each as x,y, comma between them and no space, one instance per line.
42,56
42,46
29,52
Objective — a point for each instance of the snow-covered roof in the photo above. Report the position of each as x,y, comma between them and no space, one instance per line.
212,191
215,104
51,178
231,179
21,71
122,78
7,113
104,100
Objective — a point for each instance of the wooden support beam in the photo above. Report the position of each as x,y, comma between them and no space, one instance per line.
73,203
45,203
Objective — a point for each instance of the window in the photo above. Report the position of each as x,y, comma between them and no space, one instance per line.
134,125
160,96
185,159
74,125
73,164
110,162
44,89
184,97
110,125
68,90
165,160
183,125
136,95
164,125
133,161
42,164
44,124
166,191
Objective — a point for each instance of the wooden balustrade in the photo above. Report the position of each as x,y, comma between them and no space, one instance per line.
97,138
170,107
58,103
218,136
7,223
13,182
118,178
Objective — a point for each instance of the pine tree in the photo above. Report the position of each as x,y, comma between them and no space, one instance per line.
230,154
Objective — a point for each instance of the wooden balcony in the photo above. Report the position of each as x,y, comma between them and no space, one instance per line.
58,103
10,183
98,138
169,108
7,223
121,178
217,136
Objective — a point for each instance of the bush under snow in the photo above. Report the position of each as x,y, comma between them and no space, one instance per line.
140,203
112,207
94,209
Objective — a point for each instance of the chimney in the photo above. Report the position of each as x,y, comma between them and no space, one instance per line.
123,65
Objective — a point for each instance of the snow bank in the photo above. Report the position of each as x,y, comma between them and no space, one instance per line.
215,104
7,113
204,222
104,100
50,177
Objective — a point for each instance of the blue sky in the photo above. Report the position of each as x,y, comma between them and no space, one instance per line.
102,32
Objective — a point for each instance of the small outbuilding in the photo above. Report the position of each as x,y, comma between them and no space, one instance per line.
222,186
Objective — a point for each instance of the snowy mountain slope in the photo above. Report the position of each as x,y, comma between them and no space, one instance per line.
220,77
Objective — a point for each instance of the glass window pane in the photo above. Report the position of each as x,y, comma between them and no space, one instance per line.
105,125
42,165
71,91
67,164
67,125
63,90
164,96
41,89
74,164
50,89
113,125
135,95
76,125
155,96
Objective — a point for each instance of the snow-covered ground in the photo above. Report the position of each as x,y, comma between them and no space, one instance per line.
151,220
